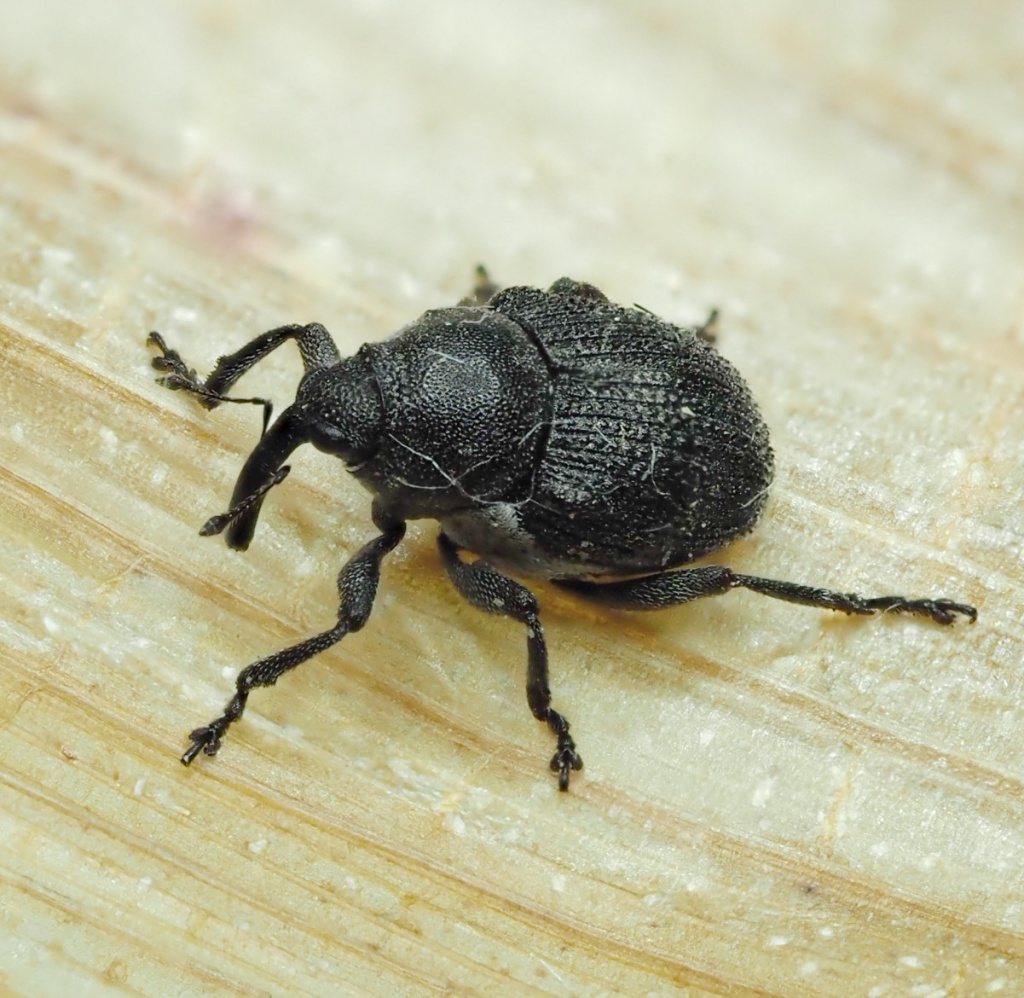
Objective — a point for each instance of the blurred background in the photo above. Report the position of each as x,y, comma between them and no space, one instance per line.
776,801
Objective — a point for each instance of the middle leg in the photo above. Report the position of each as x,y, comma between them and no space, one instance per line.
492,592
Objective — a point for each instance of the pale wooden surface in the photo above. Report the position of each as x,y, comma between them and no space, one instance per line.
776,801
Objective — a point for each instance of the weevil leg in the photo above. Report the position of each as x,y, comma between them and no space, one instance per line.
708,329
939,609
493,592
654,592
314,342
179,376
357,587
484,289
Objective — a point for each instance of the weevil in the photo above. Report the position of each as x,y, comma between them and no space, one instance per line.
553,435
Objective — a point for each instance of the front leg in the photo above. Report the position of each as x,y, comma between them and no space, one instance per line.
315,345
357,587
493,592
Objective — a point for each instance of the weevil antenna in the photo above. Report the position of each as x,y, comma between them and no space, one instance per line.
217,524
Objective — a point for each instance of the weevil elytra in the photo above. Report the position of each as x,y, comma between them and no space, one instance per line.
552,434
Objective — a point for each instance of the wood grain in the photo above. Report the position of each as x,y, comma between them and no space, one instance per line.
776,801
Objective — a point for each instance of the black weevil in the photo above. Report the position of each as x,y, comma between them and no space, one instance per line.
553,434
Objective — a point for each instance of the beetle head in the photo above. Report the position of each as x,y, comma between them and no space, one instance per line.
338,409
341,410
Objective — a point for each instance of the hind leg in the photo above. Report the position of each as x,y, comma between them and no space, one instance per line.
655,592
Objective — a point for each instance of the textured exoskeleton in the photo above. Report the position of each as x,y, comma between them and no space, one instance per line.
553,434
